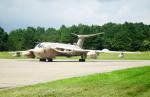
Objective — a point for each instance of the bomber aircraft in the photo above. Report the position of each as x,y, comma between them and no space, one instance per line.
47,51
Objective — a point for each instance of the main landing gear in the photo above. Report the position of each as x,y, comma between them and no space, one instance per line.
83,57
46,60
42,60
50,60
81,60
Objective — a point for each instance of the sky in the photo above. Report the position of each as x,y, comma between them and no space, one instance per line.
16,14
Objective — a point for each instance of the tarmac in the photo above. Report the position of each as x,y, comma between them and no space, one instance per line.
21,72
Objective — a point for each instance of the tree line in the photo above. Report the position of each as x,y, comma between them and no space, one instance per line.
125,37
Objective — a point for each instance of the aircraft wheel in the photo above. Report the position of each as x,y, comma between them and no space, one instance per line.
81,60
50,59
43,60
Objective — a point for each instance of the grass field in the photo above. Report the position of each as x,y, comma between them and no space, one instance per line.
7,55
102,56
133,82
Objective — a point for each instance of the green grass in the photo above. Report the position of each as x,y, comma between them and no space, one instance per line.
102,56
128,56
7,55
133,82
114,56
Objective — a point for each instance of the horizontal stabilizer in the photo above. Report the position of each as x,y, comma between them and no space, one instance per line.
86,36
82,38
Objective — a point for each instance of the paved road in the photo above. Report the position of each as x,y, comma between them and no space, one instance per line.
25,72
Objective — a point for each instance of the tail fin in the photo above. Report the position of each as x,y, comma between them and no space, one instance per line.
82,38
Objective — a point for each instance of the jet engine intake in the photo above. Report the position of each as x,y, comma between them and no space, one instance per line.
92,55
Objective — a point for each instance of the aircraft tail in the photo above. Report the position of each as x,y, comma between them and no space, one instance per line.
82,38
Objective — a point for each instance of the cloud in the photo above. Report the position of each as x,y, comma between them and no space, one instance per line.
54,13
108,0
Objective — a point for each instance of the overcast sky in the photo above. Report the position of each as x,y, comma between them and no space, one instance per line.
53,13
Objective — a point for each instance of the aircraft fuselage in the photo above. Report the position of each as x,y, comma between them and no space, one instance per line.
50,50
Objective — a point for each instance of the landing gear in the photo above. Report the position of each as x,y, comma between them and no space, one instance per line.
83,57
43,60
46,60
50,59
81,60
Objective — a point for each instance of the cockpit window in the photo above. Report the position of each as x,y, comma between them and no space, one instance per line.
40,45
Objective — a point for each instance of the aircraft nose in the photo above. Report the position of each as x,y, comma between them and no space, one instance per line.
39,50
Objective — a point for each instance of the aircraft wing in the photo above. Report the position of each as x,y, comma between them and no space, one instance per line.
97,51
28,53
101,51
